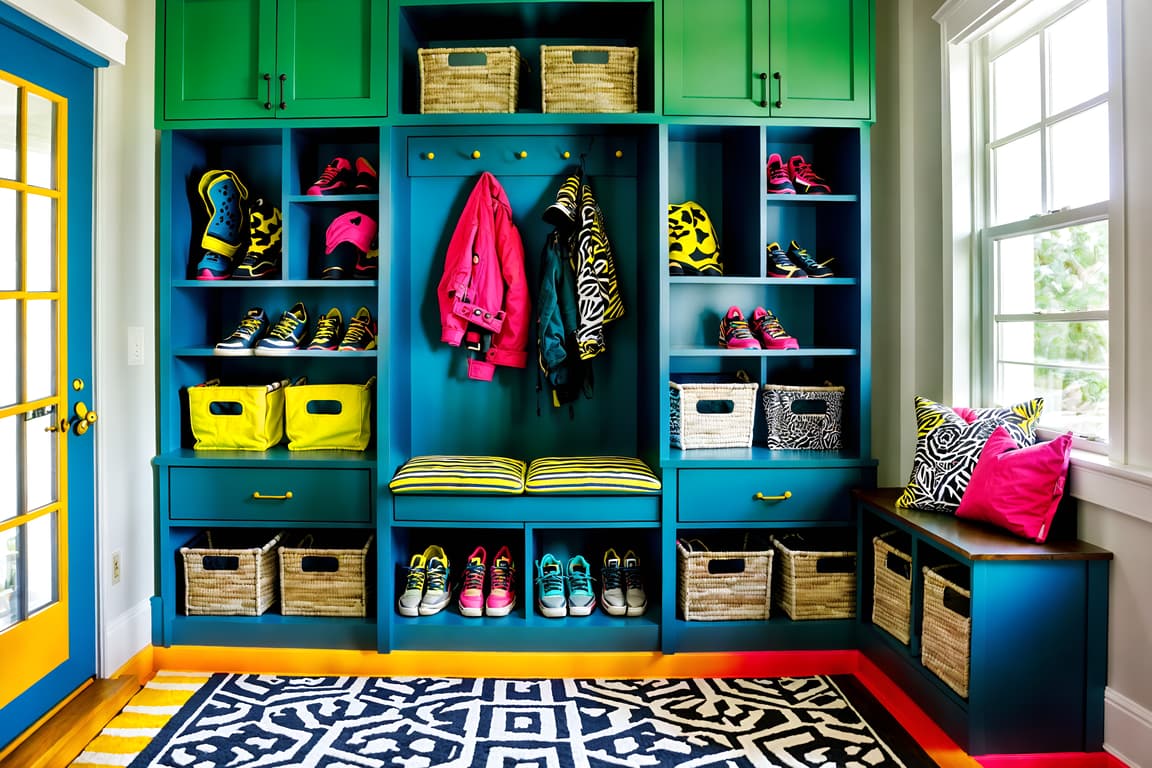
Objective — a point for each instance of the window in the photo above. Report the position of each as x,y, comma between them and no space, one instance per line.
1043,136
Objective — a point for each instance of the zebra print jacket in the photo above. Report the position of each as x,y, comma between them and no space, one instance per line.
484,289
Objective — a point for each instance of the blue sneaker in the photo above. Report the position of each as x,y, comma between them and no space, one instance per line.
288,335
550,586
243,340
223,194
328,330
581,598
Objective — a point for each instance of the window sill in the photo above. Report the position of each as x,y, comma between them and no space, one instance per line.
1126,489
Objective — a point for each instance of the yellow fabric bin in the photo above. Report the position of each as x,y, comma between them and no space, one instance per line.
229,418
329,416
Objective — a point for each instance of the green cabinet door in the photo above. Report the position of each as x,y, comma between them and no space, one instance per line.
215,56
821,58
716,57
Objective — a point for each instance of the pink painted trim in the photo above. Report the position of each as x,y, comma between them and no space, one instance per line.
1052,760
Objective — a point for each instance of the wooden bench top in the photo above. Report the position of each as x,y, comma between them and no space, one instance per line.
974,540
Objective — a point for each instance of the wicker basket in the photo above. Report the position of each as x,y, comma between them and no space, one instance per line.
947,633
226,574
816,580
317,581
714,585
588,78
712,415
806,418
891,588
469,79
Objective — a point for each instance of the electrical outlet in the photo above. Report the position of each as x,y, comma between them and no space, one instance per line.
115,567
135,345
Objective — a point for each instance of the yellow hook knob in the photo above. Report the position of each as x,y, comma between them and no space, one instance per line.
431,155
521,154
619,153
566,154
475,154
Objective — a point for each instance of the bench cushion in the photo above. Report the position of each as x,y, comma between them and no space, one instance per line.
590,474
459,474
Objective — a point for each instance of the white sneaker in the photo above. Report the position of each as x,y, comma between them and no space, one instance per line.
634,596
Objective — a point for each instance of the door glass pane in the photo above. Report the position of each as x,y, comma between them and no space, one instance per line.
41,239
1016,89
9,237
40,474
1079,147
9,95
8,356
40,350
9,577
42,557
1062,270
41,142
1016,178
9,468
1078,56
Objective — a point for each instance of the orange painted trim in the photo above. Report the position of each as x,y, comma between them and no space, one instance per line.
142,666
1052,760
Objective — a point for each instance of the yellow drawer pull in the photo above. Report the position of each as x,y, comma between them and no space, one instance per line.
782,497
258,495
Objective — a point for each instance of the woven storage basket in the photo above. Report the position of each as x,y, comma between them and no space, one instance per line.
947,633
712,415
802,417
323,581
814,582
588,78
225,574
891,588
469,79
723,585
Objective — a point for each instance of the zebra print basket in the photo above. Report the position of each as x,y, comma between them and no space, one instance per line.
802,417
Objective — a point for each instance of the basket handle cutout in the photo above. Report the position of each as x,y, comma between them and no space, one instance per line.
319,564
726,565
325,407
838,564
715,406
477,59
804,407
957,603
898,565
225,408
589,57
221,563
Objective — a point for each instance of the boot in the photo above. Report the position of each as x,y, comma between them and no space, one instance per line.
265,228
224,195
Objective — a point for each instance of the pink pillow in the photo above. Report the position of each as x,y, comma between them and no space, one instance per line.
1017,489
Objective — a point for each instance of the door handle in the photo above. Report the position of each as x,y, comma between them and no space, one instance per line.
779,89
83,418
781,497
267,90
283,77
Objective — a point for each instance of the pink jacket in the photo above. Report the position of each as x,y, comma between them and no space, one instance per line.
484,287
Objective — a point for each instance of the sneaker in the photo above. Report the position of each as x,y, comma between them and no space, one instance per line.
223,194
242,341
328,330
262,260
361,333
779,182
779,265
502,584
437,590
635,598
581,598
612,598
287,336
367,181
349,239
811,267
337,179
805,181
409,602
550,586
471,600
769,331
734,332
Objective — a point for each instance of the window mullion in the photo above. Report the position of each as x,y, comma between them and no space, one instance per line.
1045,181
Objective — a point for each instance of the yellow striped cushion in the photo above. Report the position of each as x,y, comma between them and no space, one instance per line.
590,474
459,474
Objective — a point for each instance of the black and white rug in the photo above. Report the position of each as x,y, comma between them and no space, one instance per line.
244,721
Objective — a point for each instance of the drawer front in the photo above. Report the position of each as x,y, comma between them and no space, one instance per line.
730,495
257,495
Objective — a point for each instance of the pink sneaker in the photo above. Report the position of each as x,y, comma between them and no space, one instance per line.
472,593
502,598
779,181
804,179
769,331
734,331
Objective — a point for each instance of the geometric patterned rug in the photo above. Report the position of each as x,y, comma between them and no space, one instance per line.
244,721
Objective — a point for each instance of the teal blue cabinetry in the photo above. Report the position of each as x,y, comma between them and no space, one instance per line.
768,58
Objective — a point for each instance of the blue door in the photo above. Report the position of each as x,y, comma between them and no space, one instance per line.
47,517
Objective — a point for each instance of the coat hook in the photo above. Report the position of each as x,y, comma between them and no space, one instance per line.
566,154
475,154
521,154
430,155
619,153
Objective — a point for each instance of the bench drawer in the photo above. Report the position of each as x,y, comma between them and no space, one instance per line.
730,495
257,495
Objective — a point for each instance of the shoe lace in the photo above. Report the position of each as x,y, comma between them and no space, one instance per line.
802,168
769,325
738,329
611,576
474,576
357,330
329,174
415,578
248,326
326,327
777,172
437,577
802,256
551,581
286,326
632,577
501,575
779,257
579,581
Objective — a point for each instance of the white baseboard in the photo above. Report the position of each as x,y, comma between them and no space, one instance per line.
125,636
1128,730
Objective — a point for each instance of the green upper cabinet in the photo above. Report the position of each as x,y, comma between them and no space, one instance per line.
768,58
273,58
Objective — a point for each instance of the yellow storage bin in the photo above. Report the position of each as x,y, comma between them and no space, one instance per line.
329,416
229,418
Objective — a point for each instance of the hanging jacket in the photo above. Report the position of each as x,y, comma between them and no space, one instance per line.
483,293
597,291
561,369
